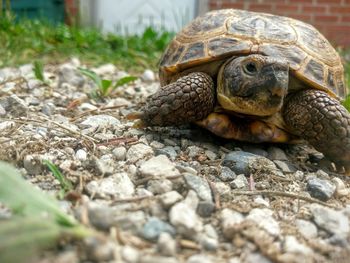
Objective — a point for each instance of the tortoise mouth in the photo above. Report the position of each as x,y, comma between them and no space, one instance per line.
261,105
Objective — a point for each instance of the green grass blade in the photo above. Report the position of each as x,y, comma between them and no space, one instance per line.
65,184
106,84
39,70
93,76
24,199
22,238
125,80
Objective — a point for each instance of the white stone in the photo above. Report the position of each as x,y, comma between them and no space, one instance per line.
185,219
306,228
292,245
170,198
148,75
138,152
199,258
263,218
119,153
6,125
159,167
106,69
130,254
118,186
333,221
101,121
340,189
81,155
166,244
229,220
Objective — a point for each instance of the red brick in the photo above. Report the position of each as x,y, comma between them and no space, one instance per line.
287,8
233,5
329,1
345,19
305,18
339,9
326,18
313,9
261,7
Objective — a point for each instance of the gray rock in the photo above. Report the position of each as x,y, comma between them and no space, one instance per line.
130,254
334,222
275,153
119,153
81,155
245,163
159,186
4,125
159,167
70,75
154,227
169,151
205,208
100,216
222,188
256,257
209,240
306,228
48,109
170,198
340,189
157,145
105,165
185,219
130,221
199,185
211,155
292,245
240,182
230,219
264,219
117,186
194,151
186,169
192,199
199,258
138,152
255,150
157,259
33,164
166,244
105,69
101,121
227,174
98,249
14,106
148,75
320,188
285,166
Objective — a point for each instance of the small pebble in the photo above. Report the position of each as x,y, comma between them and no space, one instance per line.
240,182
199,185
340,189
320,188
159,167
154,227
169,198
227,174
81,155
205,208
119,153
166,245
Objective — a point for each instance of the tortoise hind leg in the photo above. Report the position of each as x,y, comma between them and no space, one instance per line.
190,98
322,121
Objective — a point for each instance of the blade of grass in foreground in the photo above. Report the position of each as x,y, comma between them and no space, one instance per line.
37,221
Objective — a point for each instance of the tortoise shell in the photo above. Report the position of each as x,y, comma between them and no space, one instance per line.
226,33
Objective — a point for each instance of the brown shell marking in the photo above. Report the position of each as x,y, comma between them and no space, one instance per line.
224,33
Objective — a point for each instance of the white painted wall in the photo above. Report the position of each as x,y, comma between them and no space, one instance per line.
133,16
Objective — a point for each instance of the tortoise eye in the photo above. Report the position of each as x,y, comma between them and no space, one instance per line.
250,68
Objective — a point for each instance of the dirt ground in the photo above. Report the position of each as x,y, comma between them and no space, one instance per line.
175,194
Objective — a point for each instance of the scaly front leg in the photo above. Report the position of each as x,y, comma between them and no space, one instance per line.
186,100
322,121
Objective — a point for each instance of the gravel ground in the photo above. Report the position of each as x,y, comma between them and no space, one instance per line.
167,194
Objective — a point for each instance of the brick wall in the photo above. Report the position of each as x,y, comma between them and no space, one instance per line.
331,17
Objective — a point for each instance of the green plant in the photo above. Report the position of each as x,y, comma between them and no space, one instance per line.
66,185
37,222
39,70
104,86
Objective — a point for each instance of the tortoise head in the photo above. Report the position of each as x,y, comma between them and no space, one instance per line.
254,85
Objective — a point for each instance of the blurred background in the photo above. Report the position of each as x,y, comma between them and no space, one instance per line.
331,17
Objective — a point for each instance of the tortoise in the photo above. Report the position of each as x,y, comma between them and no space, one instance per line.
254,77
